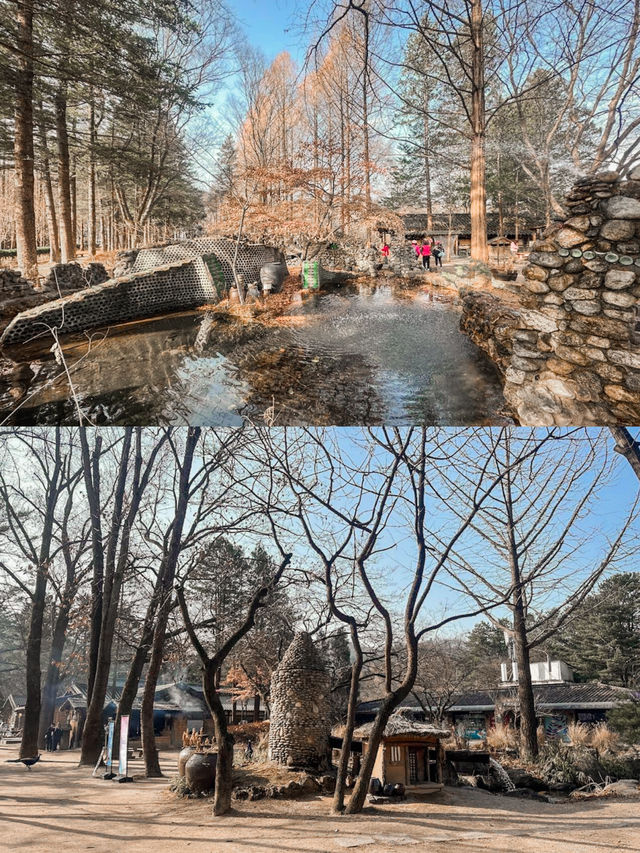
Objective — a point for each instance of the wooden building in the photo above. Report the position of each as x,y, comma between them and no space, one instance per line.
411,752
453,230
559,701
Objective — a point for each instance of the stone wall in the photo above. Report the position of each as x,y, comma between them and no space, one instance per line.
575,347
159,280
299,728
169,288
13,285
72,276
212,256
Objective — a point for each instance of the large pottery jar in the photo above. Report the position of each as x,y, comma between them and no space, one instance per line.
272,275
185,755
200,771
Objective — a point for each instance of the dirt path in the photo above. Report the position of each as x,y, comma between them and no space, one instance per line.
56,806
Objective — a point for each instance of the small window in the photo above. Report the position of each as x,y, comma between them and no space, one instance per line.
395,756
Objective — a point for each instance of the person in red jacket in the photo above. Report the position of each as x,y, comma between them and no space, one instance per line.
385,250
426,255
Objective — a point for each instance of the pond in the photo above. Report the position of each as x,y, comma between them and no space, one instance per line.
366,354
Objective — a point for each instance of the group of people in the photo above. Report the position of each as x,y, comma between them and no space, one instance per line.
425,251
52,738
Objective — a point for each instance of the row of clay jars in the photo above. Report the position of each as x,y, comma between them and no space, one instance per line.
199,768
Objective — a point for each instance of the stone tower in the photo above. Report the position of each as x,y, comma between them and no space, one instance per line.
300,727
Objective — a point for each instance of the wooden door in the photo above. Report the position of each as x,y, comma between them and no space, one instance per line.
413,767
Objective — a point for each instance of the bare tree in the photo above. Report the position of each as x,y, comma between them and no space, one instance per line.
32,524
211,666
113,553
534,541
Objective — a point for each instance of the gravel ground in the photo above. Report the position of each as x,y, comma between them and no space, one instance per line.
58,806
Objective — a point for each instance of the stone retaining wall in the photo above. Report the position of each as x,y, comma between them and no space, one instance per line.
299,727
168,288
575,345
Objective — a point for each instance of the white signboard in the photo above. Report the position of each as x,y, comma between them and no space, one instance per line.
124,742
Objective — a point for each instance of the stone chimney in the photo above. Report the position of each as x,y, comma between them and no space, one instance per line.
299,728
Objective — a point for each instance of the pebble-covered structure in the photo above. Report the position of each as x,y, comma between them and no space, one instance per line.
151,281
299,728
571,352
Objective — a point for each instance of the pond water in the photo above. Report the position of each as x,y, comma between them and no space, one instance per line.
360,355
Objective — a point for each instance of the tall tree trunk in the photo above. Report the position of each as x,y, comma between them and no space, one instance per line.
151,760
132,683
29,743
479,244
92,738
25,219
427,168
224,743
67,235
347,737
91,470
91,190
526,704
52,219
52,678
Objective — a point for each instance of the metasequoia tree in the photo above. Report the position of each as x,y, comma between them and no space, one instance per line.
534,541
23,151
113,85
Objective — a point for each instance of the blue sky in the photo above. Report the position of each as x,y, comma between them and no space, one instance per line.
271,26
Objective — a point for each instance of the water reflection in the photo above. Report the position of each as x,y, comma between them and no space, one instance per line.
366,355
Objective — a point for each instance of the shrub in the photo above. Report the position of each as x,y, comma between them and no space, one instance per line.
576,766
179,786
242,731
501,737
579,734
625,720
603,739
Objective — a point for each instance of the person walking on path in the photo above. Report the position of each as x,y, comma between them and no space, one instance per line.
57,734
426,255
385,250
514,249
48,739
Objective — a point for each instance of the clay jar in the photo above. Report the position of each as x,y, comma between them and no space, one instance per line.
200,771
185,754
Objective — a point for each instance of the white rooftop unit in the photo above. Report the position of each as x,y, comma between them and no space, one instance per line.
542,672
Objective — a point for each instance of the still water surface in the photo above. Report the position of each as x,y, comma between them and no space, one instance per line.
366,355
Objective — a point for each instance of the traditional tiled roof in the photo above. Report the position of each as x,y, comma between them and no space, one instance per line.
416,223
563,696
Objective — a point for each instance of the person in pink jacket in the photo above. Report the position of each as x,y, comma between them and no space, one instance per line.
426,255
